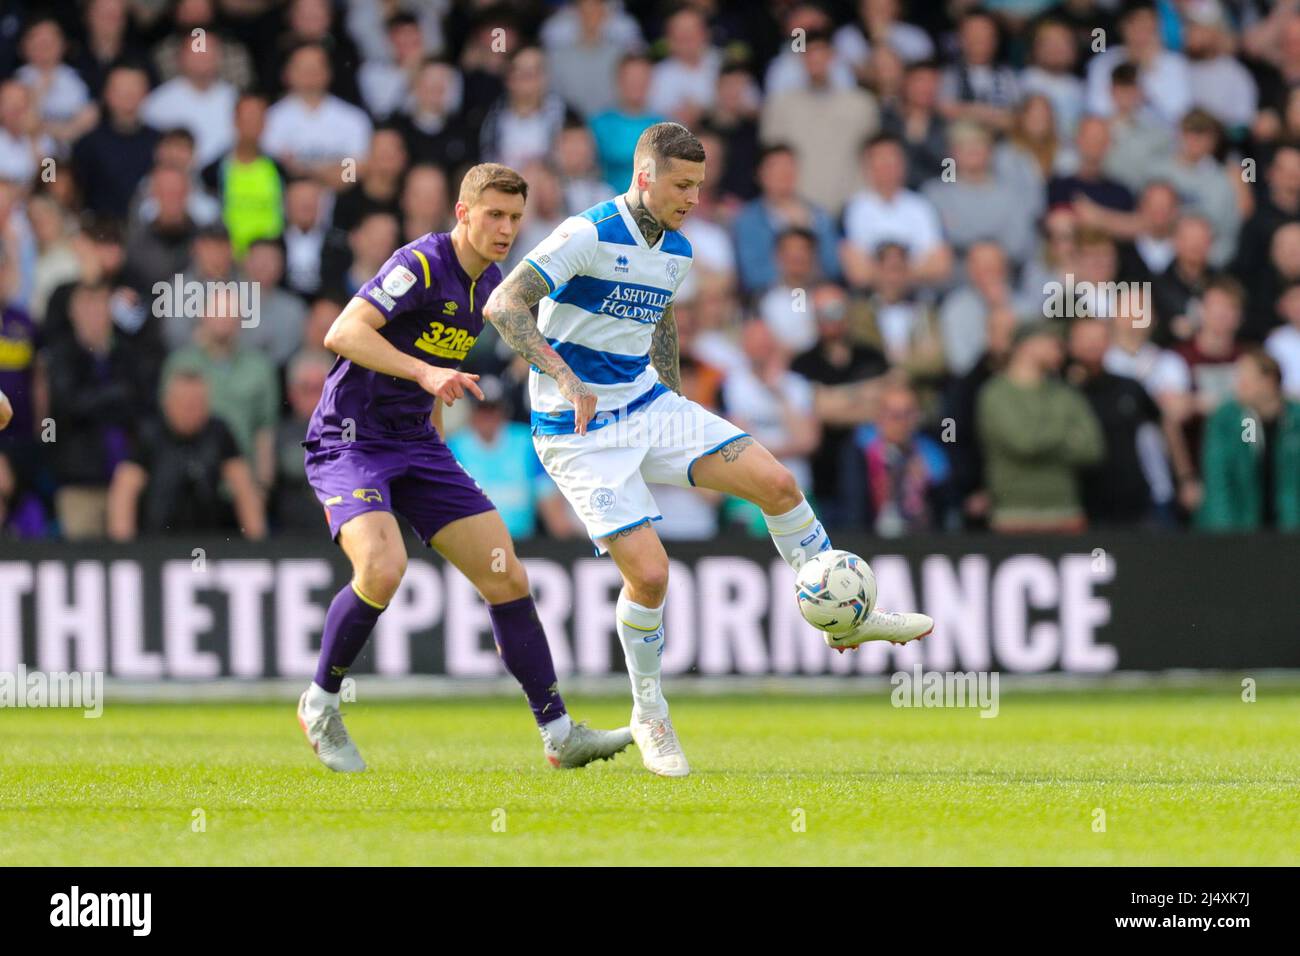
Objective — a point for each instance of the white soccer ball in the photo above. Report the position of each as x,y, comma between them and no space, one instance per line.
836,590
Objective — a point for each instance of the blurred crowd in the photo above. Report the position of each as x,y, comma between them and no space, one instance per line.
1020,265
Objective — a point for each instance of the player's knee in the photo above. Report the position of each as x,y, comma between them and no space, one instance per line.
509,583
379,573
648,583
782,491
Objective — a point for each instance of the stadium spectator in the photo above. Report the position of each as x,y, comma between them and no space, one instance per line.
525,123
1199,380
977,88
1138,139
159,250
880,22
175,150
1162,74
277,328
425,205
304,235
243,388
886,211
580,180
107,41
1277,204
191,15
23,147
784,307
915,120
171,482
311,22
1282,269
385,83
907,474
62,100
780,206
825,127
197,99
684,83
96,398
1251,466
788,69
347,267
734,118
617,129
965,312
584,42
1151,250
112,158
1177,291
1116,490
835,361
1051,73
1087,188
1037,432
249,185
1284,343
904,327
1220,84
1028,156
974,205
310,131
379,183
430,121
769,401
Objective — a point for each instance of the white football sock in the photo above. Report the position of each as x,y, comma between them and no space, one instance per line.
797,534
641,629
318,698
556,731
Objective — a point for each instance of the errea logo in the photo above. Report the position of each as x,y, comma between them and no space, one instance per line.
621,264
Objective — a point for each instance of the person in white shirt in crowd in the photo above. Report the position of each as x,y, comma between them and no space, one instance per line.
878,23
1051,73
23,146
575,157
62,99
305,227
683,85
309,131
770,402
176,150
1283,343
524,124
1163,74
786,307
584,42
198,100
887,212
1221,84
787,70
543,214
386,83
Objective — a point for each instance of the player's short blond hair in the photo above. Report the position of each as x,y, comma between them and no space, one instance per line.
479,179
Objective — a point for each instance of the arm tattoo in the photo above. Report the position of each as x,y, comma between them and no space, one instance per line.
664,350
731,451
510,310
645,220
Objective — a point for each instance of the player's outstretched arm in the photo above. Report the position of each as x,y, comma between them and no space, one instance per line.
510,310
355,336
665,350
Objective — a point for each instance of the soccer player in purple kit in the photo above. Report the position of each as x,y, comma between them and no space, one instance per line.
375,448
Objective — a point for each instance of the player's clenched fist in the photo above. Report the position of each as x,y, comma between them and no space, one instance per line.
6,412
449,384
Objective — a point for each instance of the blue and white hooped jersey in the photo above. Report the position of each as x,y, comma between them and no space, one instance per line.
608,291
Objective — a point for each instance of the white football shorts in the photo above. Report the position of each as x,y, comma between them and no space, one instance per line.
604,473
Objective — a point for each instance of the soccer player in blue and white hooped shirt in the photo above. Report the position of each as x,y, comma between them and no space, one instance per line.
609,416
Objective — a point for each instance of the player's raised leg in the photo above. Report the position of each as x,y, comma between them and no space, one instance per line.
643,562
745,469
480,547
373,543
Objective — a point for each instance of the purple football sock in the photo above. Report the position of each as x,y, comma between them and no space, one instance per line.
348,624
521,642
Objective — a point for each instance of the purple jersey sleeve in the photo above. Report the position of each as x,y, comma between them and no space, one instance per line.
402,284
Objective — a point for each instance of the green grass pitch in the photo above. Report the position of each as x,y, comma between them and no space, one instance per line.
1184,777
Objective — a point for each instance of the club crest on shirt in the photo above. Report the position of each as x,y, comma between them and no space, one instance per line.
672,269
602,500
398,282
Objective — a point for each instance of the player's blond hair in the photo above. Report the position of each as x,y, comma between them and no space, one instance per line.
479,179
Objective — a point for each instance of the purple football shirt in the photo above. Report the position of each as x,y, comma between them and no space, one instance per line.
435,312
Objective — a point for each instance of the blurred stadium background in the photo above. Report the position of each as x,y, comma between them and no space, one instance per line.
900,196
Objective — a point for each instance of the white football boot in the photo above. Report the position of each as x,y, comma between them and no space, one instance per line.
329,738
883,626
585,744
661,752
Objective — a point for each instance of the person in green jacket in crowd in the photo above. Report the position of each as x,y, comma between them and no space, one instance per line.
1251,454
1037,432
